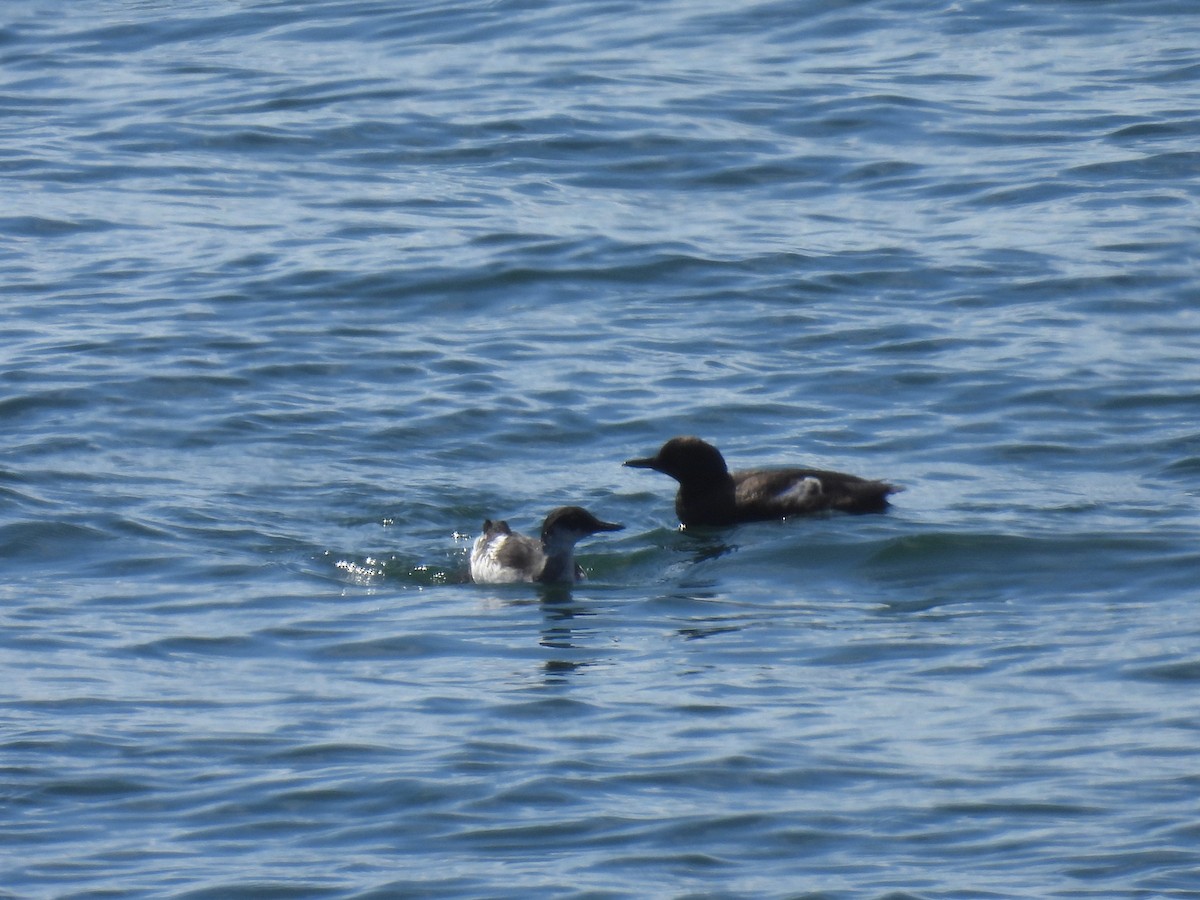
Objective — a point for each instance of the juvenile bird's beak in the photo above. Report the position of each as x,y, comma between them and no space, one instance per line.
609,526
647,463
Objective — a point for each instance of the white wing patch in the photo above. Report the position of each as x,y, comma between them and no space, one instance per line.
802,490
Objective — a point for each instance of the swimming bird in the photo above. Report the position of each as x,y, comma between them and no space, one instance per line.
501,556
709,494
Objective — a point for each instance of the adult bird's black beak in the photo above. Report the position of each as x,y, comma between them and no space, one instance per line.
647,463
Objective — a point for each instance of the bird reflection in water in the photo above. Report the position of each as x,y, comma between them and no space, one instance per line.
562,631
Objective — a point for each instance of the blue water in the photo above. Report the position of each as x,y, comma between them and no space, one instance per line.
296,294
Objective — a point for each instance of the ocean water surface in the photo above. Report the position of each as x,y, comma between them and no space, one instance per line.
297,294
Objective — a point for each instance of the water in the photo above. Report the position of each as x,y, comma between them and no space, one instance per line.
296,295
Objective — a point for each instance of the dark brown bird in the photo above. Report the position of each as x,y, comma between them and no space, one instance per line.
709,494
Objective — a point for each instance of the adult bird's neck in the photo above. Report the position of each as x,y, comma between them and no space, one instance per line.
710,503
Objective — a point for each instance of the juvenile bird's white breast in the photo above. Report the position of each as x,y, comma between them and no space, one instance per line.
486,567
